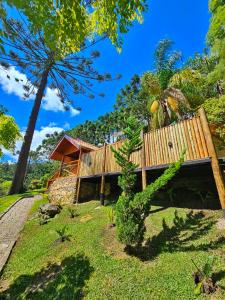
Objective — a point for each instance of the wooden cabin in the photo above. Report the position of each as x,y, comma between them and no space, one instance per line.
68,151
160,148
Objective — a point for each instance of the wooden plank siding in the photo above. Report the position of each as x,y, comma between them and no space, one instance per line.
162,146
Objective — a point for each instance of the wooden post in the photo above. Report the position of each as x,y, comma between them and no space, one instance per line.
214,160
143,163
102,187
78,178
61,165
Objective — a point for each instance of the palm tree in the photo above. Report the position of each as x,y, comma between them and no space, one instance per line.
166,103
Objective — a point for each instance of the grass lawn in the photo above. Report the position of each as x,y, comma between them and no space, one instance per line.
93,265
6,201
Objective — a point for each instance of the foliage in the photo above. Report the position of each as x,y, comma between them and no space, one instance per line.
73,212
9,133
131,209
62,233
4,187
131,213
66,25
110,215
159,87
43,219
215,110
203,277
132,143
74,73
41,170
216,39
35,184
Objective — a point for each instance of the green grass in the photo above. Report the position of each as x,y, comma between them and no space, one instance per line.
6,201
93,265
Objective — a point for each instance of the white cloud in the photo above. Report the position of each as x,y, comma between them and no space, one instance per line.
10,85
50,102
39,136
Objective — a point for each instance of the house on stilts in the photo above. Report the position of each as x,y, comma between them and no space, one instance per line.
87,170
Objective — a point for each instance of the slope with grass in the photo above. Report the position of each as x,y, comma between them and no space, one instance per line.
93,265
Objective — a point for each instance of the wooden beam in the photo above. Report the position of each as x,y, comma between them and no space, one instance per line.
78,178
78,189
143,163
61,166
102,186
214,160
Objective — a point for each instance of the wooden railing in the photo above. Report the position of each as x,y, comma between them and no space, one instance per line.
67,169
70,168
161,146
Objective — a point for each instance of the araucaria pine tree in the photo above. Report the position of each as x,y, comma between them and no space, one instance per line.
132,209
72,73
132,143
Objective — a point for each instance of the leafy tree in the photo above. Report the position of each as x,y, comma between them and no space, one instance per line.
132,209
215,110
9,132
6,171
216,39
66,74
66,24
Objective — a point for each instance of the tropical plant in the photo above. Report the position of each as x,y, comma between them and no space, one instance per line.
166,103
63,235
203,277
73,212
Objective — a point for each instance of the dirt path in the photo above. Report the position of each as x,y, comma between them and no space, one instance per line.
11,224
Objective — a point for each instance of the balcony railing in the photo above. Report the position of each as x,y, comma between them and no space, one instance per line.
67,169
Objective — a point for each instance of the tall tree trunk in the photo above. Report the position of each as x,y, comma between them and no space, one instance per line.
18,179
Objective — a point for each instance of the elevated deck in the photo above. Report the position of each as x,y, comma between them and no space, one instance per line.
159,149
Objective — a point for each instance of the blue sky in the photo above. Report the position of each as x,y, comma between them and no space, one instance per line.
185,22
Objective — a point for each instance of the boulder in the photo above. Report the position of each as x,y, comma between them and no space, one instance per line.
49,209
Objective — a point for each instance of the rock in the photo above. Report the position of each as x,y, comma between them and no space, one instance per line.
49,209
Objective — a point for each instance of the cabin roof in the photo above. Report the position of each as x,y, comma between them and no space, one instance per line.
75,145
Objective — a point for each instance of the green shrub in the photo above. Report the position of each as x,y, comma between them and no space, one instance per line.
35,184
4,187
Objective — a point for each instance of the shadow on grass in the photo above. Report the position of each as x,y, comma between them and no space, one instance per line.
183,236
65,281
